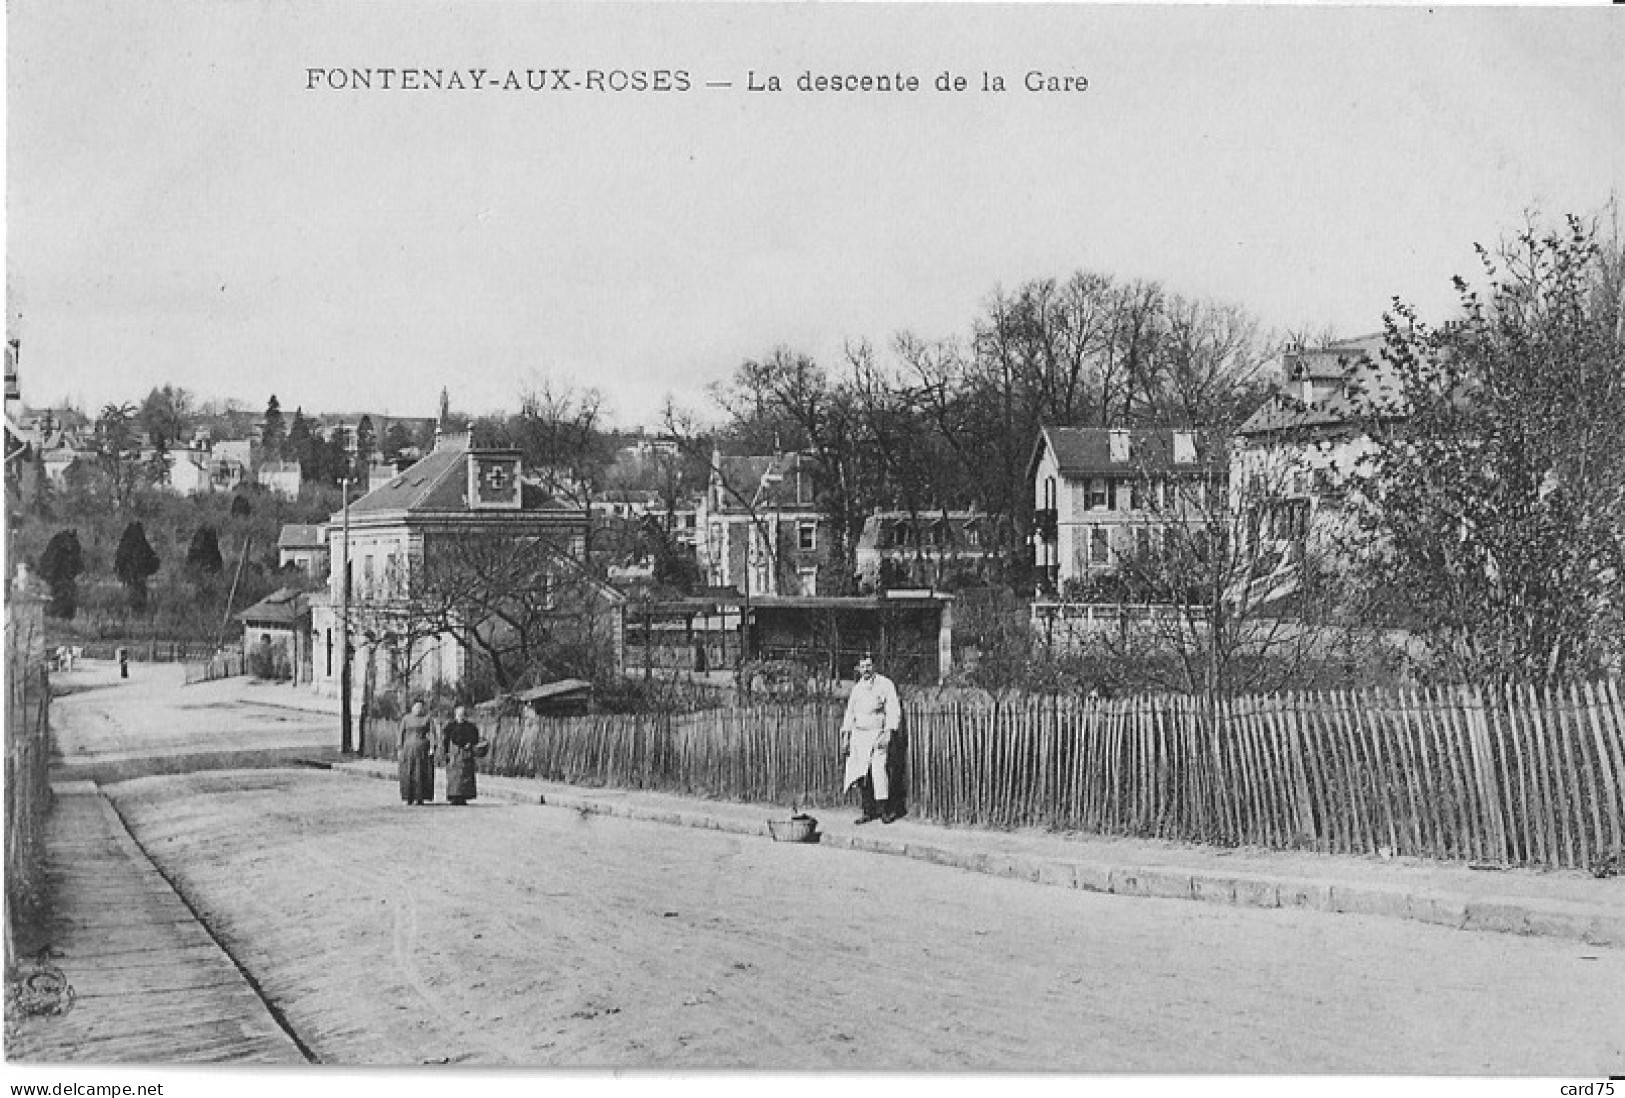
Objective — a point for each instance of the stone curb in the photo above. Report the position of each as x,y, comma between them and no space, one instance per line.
1509,916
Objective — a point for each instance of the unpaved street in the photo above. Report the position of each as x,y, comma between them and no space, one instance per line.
507,934
153,713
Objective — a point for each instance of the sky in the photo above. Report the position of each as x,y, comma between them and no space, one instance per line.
185,207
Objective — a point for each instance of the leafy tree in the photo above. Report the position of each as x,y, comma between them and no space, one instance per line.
274,431
60,566
117,451
1495,498
203,555
134,563
676,570
155,469
560,433
396,439
166,415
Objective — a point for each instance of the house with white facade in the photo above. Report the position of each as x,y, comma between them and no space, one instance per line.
232,462
189,470
1295,455
758,527
285,478
455,496
1101,495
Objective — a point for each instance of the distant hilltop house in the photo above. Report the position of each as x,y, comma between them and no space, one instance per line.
645,448
628,503
760,531
900,548
456,495
232,462
189,470
1295,454
284,478
1101,494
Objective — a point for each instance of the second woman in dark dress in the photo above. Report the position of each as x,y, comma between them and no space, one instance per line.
417,757
461,739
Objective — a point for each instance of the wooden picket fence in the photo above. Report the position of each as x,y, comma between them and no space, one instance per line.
27,779
1517,777
222,664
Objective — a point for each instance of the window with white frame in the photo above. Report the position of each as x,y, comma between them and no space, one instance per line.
807,536
1100,494
1099,545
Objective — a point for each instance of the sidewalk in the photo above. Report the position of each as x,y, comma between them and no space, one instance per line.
144,981
1565,904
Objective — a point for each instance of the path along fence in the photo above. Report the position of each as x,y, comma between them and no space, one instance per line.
221,664
144,649
28,789
1518,776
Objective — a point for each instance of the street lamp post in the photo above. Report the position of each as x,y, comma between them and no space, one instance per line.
345,742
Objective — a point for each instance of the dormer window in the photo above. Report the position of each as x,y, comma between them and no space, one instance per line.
1184,448
493,480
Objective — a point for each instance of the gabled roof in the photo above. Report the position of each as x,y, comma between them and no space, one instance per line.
296,535
561,688
281,607
1370,391
1088,451
436,483
776,481
1332,361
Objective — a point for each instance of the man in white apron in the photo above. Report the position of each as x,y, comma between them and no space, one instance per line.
872,716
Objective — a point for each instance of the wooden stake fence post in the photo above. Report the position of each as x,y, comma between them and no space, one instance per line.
1483,755
1575,813
1596,707
1593,781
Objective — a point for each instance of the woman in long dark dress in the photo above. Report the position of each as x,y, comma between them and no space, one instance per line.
461,738
417,756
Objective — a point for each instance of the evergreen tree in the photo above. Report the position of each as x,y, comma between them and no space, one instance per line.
366,441
274,431
297,445
240,507
60,566
134,563
204,553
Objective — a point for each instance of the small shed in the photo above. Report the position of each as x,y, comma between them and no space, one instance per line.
279,625
565,698
910,634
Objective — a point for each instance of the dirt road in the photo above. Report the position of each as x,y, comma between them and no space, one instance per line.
102,716
508,934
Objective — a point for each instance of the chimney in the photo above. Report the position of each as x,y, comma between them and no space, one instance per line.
1120,450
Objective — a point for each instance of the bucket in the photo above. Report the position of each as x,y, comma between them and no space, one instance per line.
797,829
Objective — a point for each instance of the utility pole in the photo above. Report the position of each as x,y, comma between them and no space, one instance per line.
345,743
